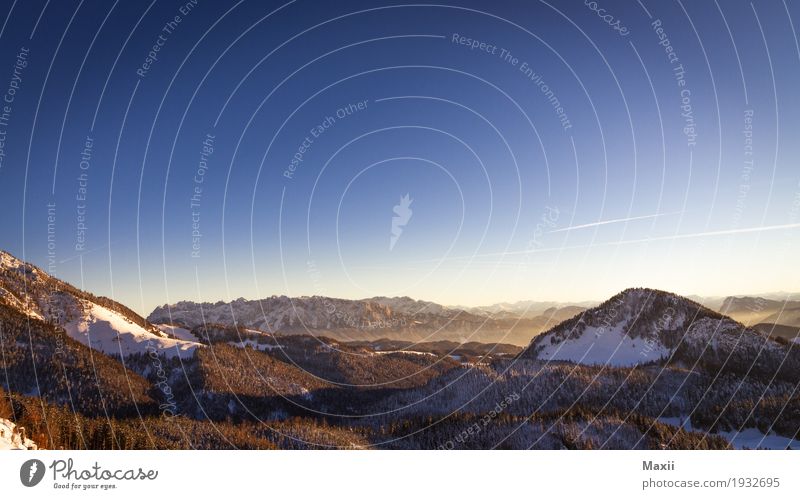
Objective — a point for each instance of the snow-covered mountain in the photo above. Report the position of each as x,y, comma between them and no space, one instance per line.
314,312
355,320
640,326
97,322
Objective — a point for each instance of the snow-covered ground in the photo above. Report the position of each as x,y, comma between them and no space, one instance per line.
177,332
752,438
111,333
410,352
11,439
604,346
748,438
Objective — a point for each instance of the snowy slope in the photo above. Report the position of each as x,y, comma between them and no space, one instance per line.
11,438
599,346
97,322
109,332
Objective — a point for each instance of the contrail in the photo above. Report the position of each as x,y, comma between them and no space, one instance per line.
614,221
691,235
746,230
73,257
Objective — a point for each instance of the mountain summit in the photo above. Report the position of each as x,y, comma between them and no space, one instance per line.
643,326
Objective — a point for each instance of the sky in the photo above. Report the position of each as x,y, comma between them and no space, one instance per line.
465,153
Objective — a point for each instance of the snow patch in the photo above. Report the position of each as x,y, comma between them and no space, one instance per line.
177,332
412,352
253,344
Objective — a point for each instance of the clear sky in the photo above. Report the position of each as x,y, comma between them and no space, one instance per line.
549,151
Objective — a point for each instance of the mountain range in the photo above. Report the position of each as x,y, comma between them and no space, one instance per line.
376,318
406,319
643,369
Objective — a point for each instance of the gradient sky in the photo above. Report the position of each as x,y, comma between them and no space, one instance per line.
508,202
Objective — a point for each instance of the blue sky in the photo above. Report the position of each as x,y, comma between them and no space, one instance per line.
514,196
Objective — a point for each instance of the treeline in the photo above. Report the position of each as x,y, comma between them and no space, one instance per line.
576,428
53,426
